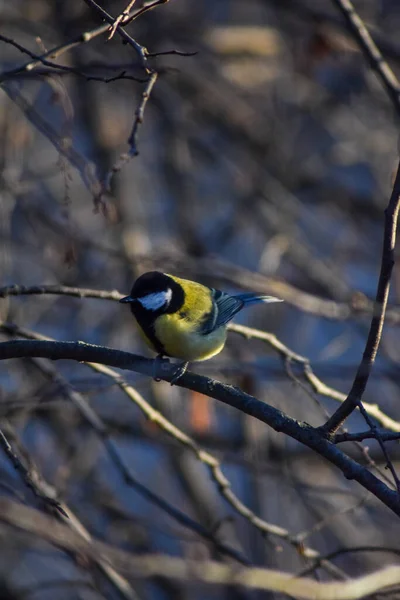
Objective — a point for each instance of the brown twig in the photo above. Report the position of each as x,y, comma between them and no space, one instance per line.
132,141
121,19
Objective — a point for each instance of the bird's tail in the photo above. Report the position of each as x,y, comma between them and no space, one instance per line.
250,298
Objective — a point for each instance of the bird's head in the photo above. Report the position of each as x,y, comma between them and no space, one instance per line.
156,293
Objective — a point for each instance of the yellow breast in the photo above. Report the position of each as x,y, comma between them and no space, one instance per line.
180,339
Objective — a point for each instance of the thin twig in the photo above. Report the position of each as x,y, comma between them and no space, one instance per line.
27,475
132,141
122,17
153,75
315,382
375,332
144,9
47,493
139,49
363,449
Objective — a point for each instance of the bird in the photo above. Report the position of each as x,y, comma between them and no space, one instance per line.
183,319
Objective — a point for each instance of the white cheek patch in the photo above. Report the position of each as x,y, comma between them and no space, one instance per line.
156,300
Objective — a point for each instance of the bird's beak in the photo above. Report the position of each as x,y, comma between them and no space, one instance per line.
127,299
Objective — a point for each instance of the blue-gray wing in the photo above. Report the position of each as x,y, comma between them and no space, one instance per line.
224,309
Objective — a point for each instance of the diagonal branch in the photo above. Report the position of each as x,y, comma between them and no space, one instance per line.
230,395
371,51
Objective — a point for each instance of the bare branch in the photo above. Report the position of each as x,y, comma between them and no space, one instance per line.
302,432
147,566
180,436
375,332
27,475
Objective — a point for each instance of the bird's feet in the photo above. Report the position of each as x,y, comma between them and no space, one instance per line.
180,370
158,365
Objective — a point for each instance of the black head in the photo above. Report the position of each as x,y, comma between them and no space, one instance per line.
155,293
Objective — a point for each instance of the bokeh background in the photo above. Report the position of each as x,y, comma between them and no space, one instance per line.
265,163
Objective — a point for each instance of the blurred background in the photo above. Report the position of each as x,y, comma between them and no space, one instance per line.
265,163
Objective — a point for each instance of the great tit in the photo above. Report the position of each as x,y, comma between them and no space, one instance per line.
184,319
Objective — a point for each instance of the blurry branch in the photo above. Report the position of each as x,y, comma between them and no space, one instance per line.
371,348
341,551
370,462
85,168
101,431
315,382
56,140
17,290
230,395
83,38
47,494
371,51
316,13
147,566
29,475
180,436
55,52
359,305
248,332
57,69
213,465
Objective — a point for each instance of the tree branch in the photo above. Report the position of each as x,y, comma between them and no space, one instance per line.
375,332
302,432
209,572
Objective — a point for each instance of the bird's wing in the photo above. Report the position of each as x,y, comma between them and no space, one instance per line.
224,309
